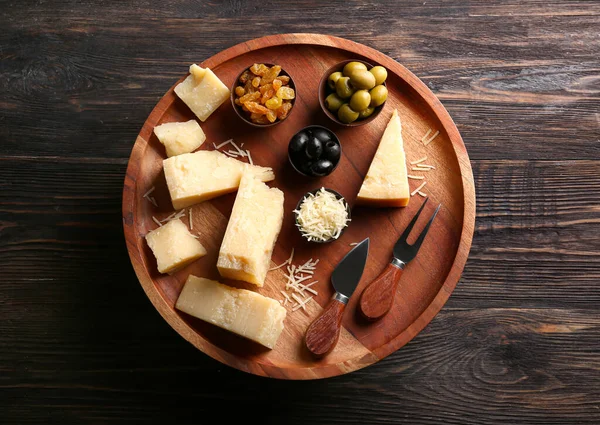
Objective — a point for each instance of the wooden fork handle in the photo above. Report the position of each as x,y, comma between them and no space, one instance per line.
323,333
378,297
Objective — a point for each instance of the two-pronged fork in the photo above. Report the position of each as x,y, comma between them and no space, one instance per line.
378,297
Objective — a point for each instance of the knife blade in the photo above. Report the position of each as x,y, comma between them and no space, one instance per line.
323,333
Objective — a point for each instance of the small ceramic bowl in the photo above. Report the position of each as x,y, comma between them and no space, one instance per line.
293,157
245,116
314,192
324,91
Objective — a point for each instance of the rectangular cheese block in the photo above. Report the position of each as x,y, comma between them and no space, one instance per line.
386,182
180,137
174,246
202,92
240,311
196,177
251,233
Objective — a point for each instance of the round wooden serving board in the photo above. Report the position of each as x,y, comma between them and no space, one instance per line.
427,281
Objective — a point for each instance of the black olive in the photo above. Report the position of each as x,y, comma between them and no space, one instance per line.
314,148
305,167
298,142
322,134
332,151
322,167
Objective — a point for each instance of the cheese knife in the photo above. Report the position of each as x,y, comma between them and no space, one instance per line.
377,298
323,333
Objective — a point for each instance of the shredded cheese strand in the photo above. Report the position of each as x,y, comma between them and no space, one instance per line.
432,137
418,161
418,188
425,136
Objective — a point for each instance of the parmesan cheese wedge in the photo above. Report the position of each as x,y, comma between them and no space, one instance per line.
196,177
202,92
240,311
180,137
386,182
174,246
251,233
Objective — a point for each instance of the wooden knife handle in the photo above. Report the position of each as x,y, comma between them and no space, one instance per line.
323,333
378,297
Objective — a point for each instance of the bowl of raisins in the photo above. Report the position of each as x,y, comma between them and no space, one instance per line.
263,95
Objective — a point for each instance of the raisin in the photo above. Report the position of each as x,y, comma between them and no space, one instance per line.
271,74
277,83
284,79
244,77
256,108
286,93
259,69
260,119
250,97
255,82
267,95
239,91
271,115
284,110
273,103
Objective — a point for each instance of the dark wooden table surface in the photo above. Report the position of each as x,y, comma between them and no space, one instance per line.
517,343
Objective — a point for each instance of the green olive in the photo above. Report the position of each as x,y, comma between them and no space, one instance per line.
379,95
332,79
360,100
362,79
380,74
350,67
333,102
365,113
346,114
343,87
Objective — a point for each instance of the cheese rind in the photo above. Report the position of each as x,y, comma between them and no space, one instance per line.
240,311
174,246
180,137
386,182
199,176
252,231
202,92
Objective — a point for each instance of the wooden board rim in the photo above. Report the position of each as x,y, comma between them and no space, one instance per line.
324,370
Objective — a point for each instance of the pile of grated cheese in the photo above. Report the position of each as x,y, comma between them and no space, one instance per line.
322,216
295,287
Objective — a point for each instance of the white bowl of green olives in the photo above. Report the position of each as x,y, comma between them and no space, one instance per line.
353,92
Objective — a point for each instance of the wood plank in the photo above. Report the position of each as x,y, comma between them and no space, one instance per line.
475,57
498,365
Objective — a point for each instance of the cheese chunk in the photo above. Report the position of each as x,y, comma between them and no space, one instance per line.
174,246
386,182
180,137
196,177
240,311
202,92
251,233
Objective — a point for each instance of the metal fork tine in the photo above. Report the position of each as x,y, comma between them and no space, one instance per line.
421,237
406,232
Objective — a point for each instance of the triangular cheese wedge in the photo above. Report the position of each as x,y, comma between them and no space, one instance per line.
386,182
196,177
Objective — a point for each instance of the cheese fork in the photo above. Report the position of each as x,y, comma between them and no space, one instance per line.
377,298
